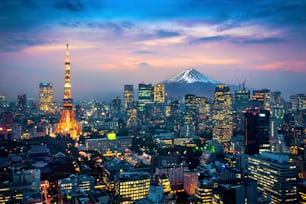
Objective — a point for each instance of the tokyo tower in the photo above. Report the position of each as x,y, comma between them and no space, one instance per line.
68,124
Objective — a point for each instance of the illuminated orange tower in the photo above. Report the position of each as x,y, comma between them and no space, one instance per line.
68,124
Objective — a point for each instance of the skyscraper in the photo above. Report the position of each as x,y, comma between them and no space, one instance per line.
222,117
298,102
145,96
128,96
277,105
22,101
203,110
242,99
68,124
241,102
45,96
116,107
257,131
276,178
175,117
261,99
159,93
204,192
190,114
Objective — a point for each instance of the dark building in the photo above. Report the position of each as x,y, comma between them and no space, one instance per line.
232,193
22,101
257,131
175,117
190,114
116,107
241,102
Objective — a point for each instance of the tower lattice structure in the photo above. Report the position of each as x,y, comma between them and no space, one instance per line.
68,124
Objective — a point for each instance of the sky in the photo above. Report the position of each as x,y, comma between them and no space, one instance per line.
113,42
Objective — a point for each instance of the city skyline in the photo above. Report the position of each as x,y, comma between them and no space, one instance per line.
260,42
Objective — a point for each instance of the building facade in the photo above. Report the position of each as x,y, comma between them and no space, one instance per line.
131,186
128,96
45,96
222,114
257,131
276,178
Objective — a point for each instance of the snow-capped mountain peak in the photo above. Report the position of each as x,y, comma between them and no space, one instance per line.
192,76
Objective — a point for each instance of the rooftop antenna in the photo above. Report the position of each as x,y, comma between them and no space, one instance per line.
243,84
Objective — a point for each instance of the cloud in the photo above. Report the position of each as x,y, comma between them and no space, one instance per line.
71,5
18,42
206,39
238,40
143,52
162,41
167,34
267,40
144,65
116,27
297,66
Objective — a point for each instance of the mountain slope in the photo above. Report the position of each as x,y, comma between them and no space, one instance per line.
191,76
190,81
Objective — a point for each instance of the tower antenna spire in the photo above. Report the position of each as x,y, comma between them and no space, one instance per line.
68,124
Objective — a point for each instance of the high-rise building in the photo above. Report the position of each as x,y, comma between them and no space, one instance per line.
242,99
261,99
22,101
204,192
131,186
155,114
159,93
203,110
45,96
190,114
68,124
131,118
257,131
298,102
277,105
190,182
175,117
222,117
276,178
145,96
241,102
116,107
128,96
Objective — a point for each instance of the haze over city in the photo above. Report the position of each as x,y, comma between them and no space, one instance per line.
113,43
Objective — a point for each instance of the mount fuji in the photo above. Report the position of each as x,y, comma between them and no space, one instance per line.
191,76
190,81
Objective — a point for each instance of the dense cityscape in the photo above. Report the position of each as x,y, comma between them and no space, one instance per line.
152,102
238,146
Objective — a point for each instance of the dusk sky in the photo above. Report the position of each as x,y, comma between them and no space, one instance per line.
114,42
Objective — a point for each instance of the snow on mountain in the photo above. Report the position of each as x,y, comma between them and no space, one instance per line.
191,76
